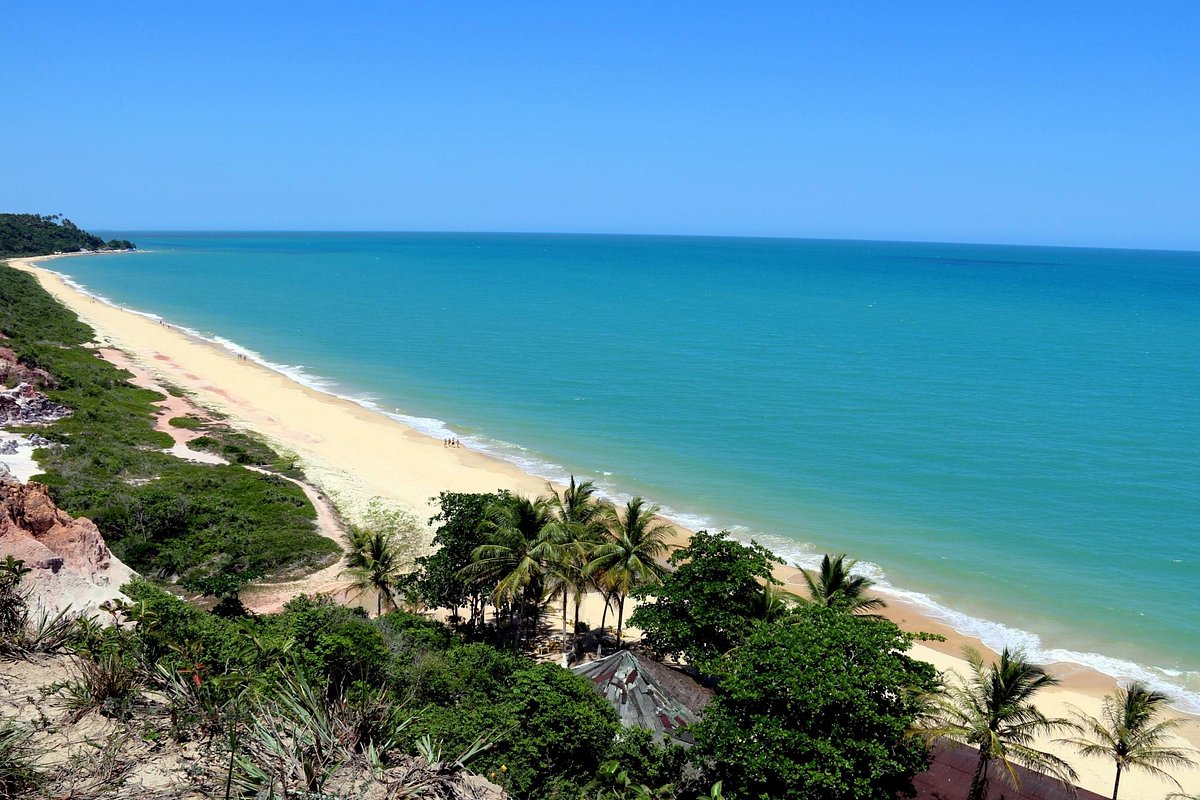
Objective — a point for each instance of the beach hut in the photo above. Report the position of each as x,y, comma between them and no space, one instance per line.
648,694
952,766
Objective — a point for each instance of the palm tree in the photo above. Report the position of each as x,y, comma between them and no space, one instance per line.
1127,733
630,555
992,711
835,587
376,563
774,604
517,555
575,529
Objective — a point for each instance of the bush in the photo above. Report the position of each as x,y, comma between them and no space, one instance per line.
709,603
159,514
336,645
187,423
21,632
178,635
563,732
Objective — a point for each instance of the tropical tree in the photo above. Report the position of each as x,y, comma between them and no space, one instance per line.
440,581
374,565
834,587
515,558
629,557
576,527
710,602
1127,733
381,553
818,711
992,710
775,604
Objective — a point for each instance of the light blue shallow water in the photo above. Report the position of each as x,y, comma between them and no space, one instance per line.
1008,434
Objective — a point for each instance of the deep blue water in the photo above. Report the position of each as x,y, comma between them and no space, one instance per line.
1008,434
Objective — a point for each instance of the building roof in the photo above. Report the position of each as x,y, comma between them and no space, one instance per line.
952,767
640,698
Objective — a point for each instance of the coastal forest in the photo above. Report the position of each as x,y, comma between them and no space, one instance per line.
39,235
813,698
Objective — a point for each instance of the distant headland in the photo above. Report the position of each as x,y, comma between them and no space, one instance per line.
43,235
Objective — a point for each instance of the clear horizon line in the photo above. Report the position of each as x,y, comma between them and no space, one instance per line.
128,230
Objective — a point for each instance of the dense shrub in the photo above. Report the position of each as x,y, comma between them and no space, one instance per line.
336,645
159,514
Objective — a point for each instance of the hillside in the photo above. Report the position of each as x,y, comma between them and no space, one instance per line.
39,235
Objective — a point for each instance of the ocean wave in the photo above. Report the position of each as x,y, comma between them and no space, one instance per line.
1178,684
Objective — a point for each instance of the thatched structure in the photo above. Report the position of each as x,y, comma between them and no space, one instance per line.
648,694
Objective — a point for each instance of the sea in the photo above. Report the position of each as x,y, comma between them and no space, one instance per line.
1007,436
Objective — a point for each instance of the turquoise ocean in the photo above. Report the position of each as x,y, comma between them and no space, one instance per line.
1007,436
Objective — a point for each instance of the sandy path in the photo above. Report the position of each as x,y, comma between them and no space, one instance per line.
263,598
355,455
269,598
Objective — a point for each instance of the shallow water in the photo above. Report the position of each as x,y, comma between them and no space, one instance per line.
1006,434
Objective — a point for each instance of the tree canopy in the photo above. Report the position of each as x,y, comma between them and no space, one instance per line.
819,710
440,580
709,602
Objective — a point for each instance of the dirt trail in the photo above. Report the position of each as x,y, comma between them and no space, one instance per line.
262,597
267,598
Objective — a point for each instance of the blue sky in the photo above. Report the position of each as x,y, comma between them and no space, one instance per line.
1041,122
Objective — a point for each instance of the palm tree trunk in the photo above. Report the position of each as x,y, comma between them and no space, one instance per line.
1117,782
564,627
620,619
378,603
979,782
603,623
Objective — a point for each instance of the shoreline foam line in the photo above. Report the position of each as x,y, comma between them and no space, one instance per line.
355,454
993,634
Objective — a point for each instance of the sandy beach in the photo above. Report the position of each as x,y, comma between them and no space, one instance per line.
354,455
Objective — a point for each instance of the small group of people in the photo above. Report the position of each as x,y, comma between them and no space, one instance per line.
451,443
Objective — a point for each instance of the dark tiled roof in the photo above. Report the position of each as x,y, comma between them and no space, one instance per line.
639,697
952,768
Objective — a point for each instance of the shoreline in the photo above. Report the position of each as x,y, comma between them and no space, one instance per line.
355,453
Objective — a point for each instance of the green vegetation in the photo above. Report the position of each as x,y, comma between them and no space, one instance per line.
24,632
819,709
40,235
834,587
382,553
440,581
19,756
546,730
629,557
709,603
239,447
1129,733
520,545
161,515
